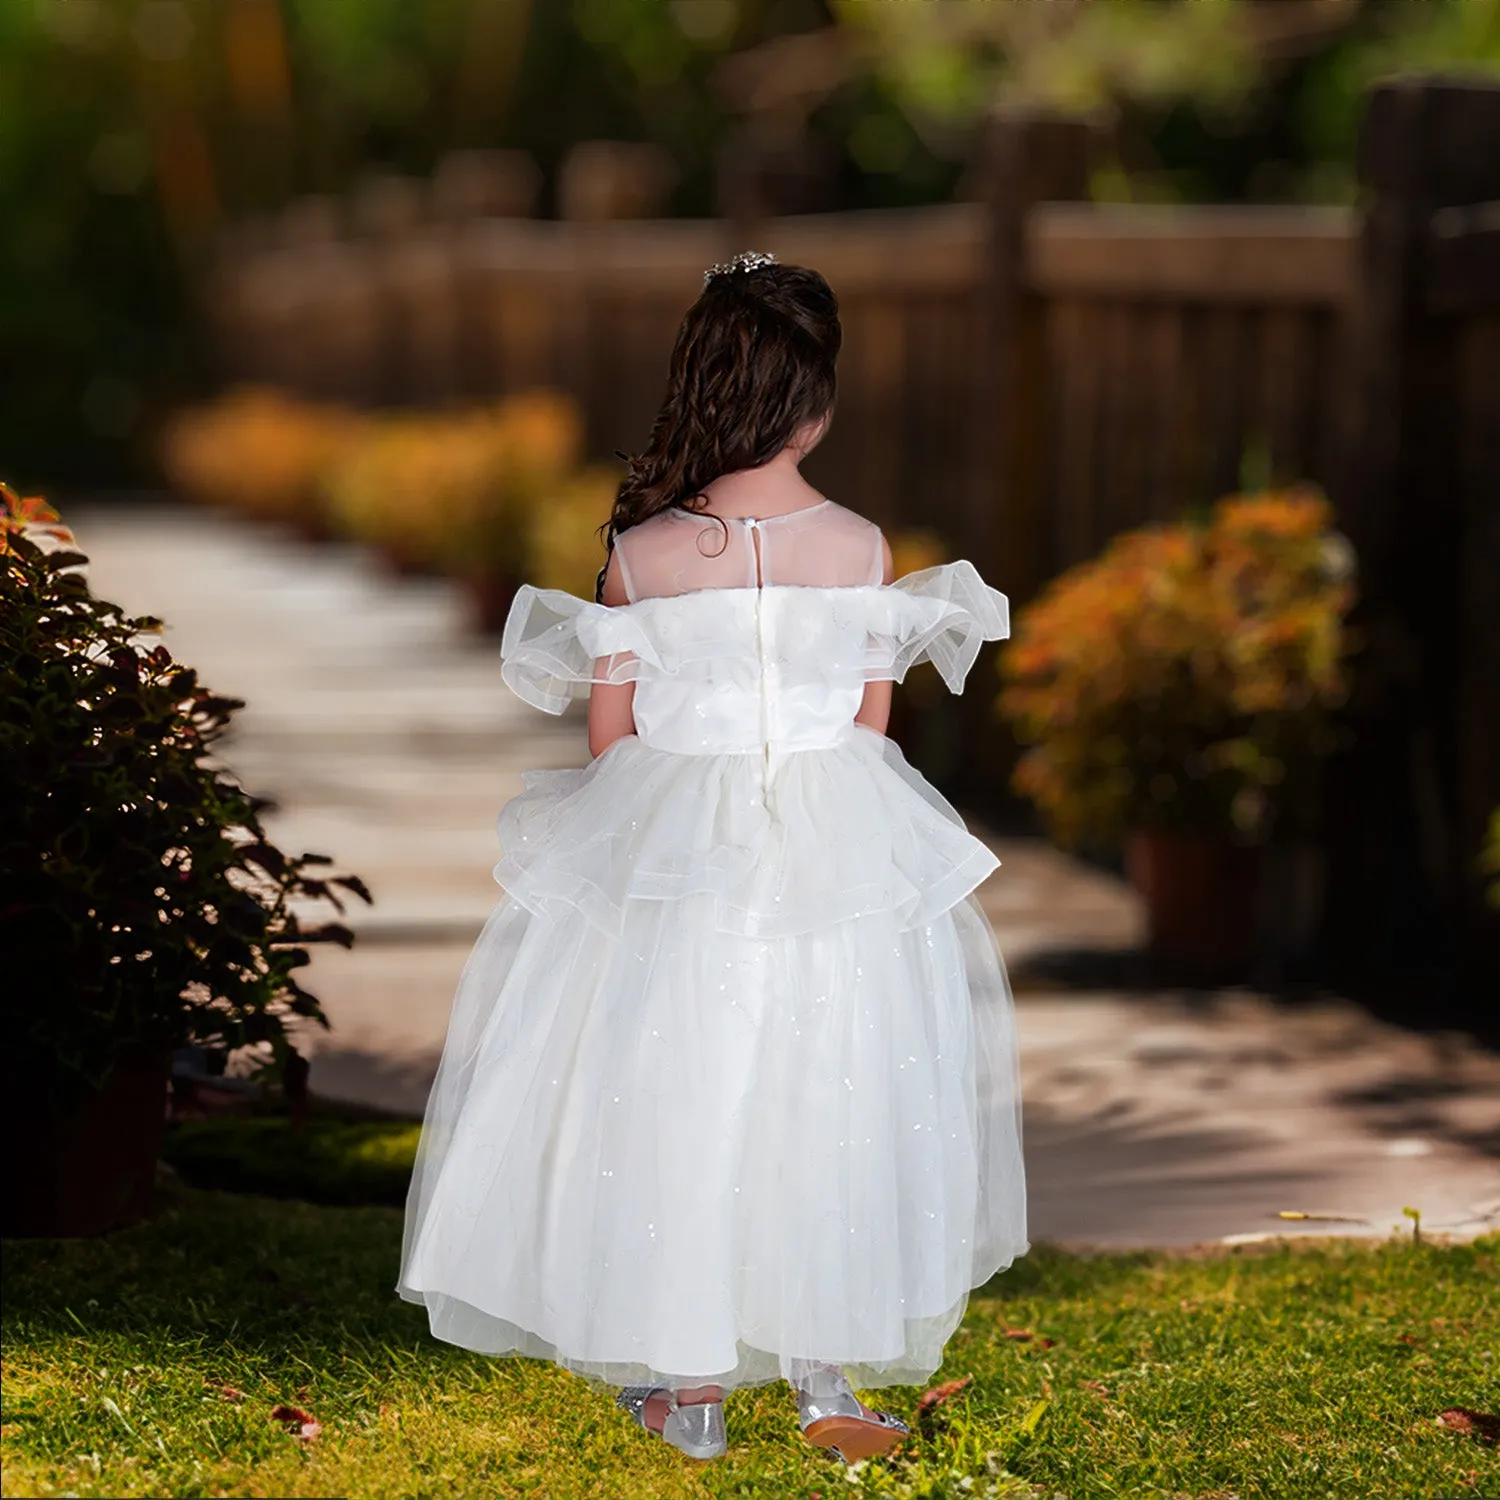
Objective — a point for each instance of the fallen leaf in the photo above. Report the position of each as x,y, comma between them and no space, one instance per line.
231,1393
1095,1385
940,1395
300,1424
1481,1424
1018,1333
1292,1213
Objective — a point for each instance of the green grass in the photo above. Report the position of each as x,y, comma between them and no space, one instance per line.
1298,1369
331,1160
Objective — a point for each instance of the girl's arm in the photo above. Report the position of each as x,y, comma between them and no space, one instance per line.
611,704
875,706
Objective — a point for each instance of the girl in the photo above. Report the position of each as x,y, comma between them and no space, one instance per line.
730,1091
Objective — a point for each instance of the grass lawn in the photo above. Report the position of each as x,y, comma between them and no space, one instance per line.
148,1362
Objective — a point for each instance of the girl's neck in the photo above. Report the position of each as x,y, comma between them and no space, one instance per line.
773,489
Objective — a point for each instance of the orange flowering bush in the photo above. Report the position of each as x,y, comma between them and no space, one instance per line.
916,547
1189,677
261,452
567,547
458,489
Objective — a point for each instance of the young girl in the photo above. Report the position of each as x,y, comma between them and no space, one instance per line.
730,1091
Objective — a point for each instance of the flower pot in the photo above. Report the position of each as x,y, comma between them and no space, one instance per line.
311,525
91,1168
402,559
490,597
1293,880
1200,892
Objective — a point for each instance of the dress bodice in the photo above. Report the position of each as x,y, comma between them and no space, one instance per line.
775,668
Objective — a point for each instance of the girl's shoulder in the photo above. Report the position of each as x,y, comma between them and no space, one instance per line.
679,550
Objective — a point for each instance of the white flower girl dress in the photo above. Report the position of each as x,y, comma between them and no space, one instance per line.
731,1076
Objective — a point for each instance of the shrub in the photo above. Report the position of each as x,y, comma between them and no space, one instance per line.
259,451
1188,678
457,490
565,543
140,900
916,547
415,482
1489,859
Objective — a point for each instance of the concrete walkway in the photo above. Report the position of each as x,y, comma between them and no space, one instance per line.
384,731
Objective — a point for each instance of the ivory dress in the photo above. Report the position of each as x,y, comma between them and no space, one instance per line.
731,1073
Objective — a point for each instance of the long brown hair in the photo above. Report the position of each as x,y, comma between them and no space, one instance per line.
754,360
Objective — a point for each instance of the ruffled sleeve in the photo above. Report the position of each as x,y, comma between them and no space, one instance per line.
940,615
556,646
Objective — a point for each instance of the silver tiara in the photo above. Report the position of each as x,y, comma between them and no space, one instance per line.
746,260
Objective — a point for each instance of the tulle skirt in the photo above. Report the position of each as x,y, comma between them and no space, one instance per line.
731,1078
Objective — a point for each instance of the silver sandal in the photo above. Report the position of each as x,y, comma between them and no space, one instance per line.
696,1428
834,1418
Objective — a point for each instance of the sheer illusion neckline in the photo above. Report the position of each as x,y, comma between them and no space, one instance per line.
785,515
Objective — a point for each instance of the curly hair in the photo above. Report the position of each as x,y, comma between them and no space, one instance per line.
753,362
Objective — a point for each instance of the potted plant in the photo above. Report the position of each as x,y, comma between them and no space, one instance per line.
564,529
390,489
142,908
527,522
1176,697
261,453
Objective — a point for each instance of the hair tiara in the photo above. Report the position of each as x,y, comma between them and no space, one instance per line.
746,260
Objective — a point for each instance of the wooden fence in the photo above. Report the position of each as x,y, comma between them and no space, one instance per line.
1031,374
1175,340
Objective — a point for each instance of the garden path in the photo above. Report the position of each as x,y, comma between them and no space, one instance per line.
1151,1117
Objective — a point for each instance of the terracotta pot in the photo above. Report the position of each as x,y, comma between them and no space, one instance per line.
490,598
1200,892
1293,880
93,1168
310,525
402,560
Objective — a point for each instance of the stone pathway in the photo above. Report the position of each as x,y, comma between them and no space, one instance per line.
385,733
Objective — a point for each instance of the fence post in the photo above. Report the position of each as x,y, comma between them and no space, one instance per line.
1418,498
1027,157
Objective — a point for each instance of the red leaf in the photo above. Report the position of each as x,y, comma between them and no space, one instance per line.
940,1395
1481,1424
1018,1333
302,1425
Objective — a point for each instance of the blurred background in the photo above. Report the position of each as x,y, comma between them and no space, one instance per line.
156,154
289,284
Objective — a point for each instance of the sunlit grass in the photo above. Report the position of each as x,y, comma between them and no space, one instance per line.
1299,1369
